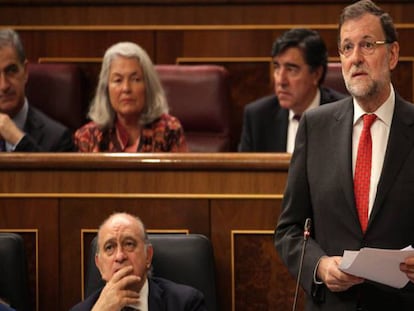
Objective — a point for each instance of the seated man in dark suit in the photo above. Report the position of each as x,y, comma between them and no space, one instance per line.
22,127
123,257
300,60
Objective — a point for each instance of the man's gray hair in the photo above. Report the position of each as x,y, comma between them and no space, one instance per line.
9,37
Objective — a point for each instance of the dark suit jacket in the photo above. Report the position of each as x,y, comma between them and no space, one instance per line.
164,295
320,186
265,123
44,134
5,308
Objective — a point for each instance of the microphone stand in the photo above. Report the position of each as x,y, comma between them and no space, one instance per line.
306,234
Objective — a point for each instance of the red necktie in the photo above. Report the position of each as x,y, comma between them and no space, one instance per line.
362,176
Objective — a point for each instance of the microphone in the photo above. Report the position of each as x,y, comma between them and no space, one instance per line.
306,234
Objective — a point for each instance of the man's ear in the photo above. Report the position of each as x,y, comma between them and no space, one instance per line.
394,53
26,70
97,262
150,253
317,75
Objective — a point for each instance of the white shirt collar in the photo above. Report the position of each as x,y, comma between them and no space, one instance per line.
314,103
384,112
20,118
143,298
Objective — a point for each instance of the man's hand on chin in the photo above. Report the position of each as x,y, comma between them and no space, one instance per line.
8,130
121,290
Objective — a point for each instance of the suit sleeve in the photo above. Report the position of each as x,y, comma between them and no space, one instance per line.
197,302
62,143
296,207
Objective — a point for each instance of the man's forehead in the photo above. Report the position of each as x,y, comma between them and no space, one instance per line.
120,224
8,50
110,236
291,55
8,57
370,26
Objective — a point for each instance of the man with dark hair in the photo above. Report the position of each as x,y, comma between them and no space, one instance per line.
24,128
300,61
352,173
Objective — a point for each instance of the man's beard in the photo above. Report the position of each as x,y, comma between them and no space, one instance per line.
364,90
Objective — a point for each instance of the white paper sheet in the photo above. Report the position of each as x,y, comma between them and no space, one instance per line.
379,265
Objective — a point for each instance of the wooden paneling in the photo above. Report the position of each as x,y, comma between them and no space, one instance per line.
261,282
228,216
182,12
36,219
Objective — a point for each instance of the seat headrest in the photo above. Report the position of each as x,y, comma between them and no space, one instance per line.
198,95
334,79
58,90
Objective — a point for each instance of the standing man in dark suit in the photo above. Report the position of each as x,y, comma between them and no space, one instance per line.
300,61
324,185
22,127
123,257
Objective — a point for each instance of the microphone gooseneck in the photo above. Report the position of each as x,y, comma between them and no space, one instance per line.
307,228
306,234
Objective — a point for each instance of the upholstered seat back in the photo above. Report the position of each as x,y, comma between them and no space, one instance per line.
334,79
14,285
59,91
199,96
182,258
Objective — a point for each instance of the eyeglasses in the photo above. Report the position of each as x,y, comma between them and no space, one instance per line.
366,47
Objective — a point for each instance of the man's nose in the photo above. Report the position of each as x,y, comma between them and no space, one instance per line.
4,82
356,55
280,76
120,254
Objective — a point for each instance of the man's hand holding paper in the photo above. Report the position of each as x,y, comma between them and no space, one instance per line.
390,267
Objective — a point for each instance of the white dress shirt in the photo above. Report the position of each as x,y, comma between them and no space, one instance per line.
143,298
380,131
293,123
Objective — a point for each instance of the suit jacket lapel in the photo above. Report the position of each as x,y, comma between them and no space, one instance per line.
281,125
343,128
400,143
277,124
155,300
33,125
325,97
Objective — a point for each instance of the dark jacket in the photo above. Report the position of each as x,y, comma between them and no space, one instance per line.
163,295
44,134
265,123
320,186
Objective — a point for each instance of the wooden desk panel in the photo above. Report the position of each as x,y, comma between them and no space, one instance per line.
63,195
36,219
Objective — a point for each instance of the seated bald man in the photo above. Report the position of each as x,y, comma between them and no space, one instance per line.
123,257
